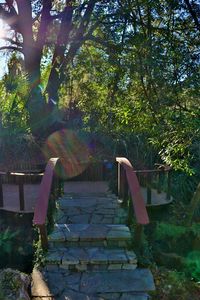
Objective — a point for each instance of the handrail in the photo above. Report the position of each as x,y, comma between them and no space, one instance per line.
136,195
151,171
42,202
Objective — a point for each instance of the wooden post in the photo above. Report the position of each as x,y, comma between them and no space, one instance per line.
126,188
139,178
21,193
1,192
119,180
43,236
169,185
149,188
59,187
53,187
122,182
159,182
138,233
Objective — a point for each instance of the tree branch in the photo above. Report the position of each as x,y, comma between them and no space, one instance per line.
79,38
58,57
25,20
193,14
45,20
11,48
10,18
11,7
100,41
11,41
86,17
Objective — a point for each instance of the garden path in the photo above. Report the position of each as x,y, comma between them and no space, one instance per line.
90,252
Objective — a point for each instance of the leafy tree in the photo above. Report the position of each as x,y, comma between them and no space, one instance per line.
132,66
55,27
141,75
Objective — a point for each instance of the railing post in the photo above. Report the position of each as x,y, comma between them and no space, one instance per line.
60,187
134,187
43,236
125,188
1,192
57,187
53,186
169,185
138,235
21,193
148,188
159,182
119,180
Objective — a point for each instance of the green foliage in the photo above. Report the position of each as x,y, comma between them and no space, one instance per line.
141,76
166,231
14,93
171,285
39,253
15,250
178,245
7,241
137,73
194,209
183,186
192,265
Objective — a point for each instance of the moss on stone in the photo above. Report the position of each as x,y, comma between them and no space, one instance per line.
13,285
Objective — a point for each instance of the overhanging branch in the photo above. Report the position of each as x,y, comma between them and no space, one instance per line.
13,48
193,13
11,41
10,18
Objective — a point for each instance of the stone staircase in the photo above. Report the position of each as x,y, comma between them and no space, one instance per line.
89,255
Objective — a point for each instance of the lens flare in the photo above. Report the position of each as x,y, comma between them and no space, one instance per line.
71,149
2,29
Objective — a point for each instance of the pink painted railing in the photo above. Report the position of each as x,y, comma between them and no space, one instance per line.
49,184
127,180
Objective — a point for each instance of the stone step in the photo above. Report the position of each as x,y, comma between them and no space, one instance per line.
105,285
87,201
82,259
91,194
90,210
117,281
90,235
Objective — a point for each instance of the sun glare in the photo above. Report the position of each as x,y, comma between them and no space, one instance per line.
2,28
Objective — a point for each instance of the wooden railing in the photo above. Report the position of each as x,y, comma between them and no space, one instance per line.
18,178
128,181
50,184
158,180
1,189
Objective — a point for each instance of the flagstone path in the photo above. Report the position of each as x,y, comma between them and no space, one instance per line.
90,256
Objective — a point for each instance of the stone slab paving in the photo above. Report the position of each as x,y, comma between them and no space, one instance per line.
120,280
88,256
94,210
116,285
85,187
